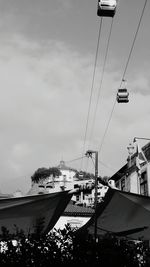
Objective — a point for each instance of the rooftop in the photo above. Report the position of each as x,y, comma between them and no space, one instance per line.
74,210
125,169
62,166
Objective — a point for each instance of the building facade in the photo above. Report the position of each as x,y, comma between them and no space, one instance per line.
85,195
74,215
129,179
84,188
67,174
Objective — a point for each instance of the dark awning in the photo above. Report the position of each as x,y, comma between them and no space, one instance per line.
25,213
123,214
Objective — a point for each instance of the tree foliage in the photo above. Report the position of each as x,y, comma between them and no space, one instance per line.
66,248
43,173
103,180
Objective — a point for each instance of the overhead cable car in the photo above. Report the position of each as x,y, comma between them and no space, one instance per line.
122,96
106,8
81,174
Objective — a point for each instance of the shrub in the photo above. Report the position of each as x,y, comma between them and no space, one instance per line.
65,248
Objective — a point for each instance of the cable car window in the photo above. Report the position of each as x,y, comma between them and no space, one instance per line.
49,186
122,90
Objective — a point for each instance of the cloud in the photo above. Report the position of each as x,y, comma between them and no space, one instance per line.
141,82
67,4
35,19
42,106
45,91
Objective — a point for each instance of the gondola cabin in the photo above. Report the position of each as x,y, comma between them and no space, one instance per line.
81,174
122,96
106,8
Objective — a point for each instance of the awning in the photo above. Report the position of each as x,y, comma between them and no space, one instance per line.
29,212
122,214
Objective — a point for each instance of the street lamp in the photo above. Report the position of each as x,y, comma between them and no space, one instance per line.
142,138
130,149
89,153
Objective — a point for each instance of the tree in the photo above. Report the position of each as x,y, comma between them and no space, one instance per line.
84,175
43,173
68,247
103,180
54,171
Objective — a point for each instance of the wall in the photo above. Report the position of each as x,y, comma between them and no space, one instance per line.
148,178
67,175
73,221
134,185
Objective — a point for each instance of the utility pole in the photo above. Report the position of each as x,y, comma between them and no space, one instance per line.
89,154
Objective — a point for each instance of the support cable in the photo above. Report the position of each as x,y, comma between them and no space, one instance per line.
123,77
101,81
120,174
107,126
68,161
92,86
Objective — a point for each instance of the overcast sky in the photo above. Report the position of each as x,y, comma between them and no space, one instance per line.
47,53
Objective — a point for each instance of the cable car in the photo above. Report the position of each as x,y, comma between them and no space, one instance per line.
81,174
106,8
122,96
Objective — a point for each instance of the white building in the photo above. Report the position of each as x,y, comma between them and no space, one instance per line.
65,181
67,174
128,177
84,194
75,216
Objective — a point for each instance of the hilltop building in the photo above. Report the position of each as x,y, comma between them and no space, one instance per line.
67,174
67,180
84,191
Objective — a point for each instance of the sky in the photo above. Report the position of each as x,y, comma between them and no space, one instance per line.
47,55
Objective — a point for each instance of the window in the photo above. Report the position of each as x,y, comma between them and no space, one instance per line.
117,184
41,186
123,184
128,184
143,184
77,198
